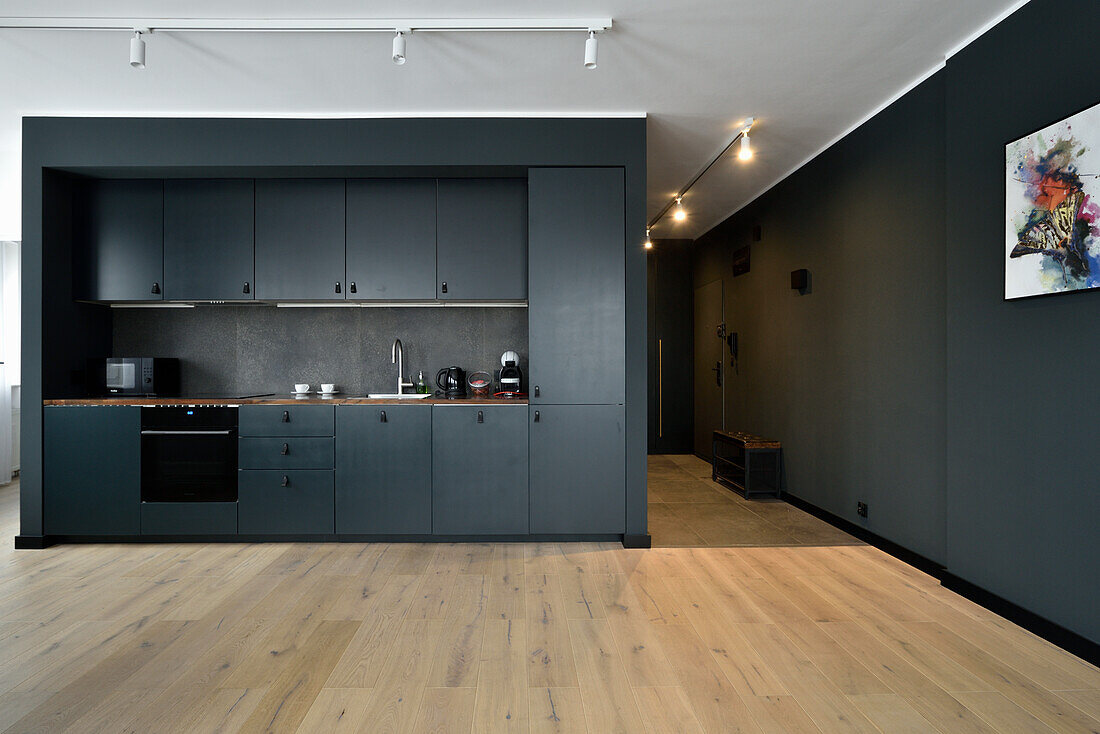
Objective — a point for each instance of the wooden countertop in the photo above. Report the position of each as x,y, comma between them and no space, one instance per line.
288,400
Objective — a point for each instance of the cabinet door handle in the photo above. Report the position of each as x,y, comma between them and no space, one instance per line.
352,287
481,416
286,416
382,417
536,391
285,449
285,482
246,289
337,286
536,416
156,288
443,289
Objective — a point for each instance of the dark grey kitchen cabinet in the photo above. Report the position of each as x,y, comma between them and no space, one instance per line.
576,286
479,470
285,502
208,239
390,239
481,239
119,255
384,469
92,470
285,420
578,469
290,452
300,239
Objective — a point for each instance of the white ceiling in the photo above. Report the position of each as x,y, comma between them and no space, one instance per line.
808,70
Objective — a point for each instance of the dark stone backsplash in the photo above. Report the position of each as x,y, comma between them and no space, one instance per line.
260,348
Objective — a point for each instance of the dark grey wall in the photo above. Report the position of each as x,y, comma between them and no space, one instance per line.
260,349
850,376
197,147
903,377
1022,434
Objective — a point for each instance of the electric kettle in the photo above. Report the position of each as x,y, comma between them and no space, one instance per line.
452,382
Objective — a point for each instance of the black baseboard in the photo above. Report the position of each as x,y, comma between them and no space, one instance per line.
637,541
32,542
930,567
45,541
1052,632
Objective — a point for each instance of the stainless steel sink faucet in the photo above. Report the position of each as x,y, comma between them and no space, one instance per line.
398,357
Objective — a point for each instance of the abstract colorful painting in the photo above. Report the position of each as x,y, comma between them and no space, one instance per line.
1052,205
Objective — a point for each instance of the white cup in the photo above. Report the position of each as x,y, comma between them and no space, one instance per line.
301,387
328,387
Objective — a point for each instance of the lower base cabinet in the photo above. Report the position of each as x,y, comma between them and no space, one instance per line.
92,472
384,469
285,502
479,470
578,469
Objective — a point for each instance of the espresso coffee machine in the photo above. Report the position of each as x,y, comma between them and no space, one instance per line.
510,376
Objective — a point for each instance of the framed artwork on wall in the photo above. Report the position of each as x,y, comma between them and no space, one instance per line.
1052,208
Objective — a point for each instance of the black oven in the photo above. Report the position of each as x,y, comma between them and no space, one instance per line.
188,454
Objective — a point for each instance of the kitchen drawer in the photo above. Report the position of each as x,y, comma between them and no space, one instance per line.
286,420
290,452
188,518
285,502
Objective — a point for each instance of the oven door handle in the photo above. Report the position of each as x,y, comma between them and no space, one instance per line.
186,433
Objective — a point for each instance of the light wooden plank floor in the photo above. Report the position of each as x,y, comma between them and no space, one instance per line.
579,637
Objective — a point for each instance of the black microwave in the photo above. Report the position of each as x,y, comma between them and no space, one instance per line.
137,376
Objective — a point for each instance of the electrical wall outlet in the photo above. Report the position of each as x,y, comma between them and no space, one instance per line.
861,509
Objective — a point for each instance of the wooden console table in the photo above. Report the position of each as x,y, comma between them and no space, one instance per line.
742,468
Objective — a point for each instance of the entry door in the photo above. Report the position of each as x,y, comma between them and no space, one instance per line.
709,373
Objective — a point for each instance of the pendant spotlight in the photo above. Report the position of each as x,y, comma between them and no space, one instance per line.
137,50
591,50
676,205
399,45
746,150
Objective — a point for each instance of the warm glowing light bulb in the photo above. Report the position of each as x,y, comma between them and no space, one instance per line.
648,242
679,215
746,151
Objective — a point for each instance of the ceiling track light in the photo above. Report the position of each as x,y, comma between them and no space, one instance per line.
399,45
676,204
137,49
591,50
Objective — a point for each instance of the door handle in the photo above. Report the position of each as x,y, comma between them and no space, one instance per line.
285,449
481,416
337,286
285,482
351,286
156,288
443,289
382,417
536,416
247,289
536,391
286,416
718,372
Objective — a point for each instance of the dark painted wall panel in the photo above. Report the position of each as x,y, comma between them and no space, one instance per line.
671,321
1022,434
850,376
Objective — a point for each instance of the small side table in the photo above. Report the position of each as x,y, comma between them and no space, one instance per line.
740,461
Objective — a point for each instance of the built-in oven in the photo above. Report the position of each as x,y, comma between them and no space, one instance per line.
189,454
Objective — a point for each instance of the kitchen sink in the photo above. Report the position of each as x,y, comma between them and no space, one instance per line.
396,396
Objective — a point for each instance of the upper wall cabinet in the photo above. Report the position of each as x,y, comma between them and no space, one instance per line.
208,239
482,239
391,239
300,239
577,317
119,257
